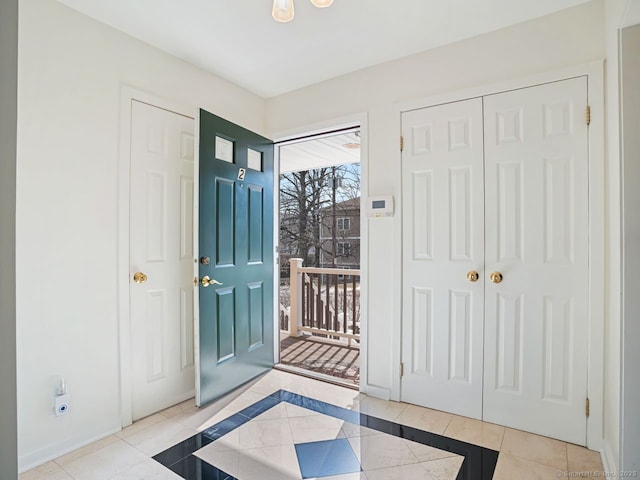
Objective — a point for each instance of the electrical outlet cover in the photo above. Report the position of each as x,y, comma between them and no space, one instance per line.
62,404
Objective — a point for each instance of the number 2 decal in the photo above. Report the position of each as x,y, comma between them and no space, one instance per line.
241,172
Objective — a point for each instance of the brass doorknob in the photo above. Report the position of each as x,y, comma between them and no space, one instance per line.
473,276
206,281
496,277
139,277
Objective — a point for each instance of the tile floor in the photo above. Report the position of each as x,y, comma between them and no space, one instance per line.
283,426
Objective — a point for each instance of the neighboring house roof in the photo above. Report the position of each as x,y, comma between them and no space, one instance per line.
350,204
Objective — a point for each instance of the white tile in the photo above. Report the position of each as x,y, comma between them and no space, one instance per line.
381,451
583,460
265,433
425,453
443,469
148,470
352,430
255,434
425,419
271,463
203,418
277,463
323,391
296,411
227,461
543,450
510,467
476,432
274,413
403,472
179,408
47,471
384,409
106,462
140,425
315,428
86,450
159,437
345,476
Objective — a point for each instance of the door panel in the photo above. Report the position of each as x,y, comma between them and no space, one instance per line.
161,231
235,327
499,184
536,198
443,240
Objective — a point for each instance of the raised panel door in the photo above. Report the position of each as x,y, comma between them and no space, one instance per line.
443,240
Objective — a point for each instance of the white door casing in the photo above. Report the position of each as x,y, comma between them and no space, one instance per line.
161,246
536,319
442,184
536,226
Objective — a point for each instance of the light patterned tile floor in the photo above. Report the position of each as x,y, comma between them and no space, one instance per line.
265,447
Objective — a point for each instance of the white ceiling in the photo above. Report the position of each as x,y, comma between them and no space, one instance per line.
238,40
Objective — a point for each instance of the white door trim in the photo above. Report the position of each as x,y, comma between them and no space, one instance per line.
595,95
127,95
319,128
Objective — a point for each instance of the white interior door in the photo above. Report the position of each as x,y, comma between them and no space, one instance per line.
536,319
443,241
161,248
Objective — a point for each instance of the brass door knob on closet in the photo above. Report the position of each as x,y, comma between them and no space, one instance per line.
496,277
139,277
473,276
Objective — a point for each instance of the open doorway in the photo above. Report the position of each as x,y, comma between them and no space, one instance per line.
319,252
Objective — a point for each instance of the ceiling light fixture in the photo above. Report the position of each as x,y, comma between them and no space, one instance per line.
322,3
283,10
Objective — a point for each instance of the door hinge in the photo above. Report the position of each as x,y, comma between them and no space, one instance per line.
586,407
402,369
588,115
401,143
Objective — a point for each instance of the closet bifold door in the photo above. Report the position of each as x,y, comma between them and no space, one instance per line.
536,317
443,248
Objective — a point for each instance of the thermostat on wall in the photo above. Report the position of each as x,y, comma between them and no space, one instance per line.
380,206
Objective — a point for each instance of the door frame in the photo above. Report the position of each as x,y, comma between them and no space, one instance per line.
318,129
594,72
127,95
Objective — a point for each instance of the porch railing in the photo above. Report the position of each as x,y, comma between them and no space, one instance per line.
324,301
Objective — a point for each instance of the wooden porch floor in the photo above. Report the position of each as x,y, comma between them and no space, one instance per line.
320,355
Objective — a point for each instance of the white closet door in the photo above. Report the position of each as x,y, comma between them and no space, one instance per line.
536,197
161,247
443,235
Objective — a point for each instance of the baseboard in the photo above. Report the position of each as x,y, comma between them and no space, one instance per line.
52,451
609,463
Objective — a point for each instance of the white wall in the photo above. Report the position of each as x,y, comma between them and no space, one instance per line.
614,14
8,112
630,328
566,38
71,70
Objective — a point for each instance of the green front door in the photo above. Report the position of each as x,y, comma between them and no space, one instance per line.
236,257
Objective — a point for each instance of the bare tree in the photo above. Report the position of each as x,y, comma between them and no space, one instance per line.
304,198
301,198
